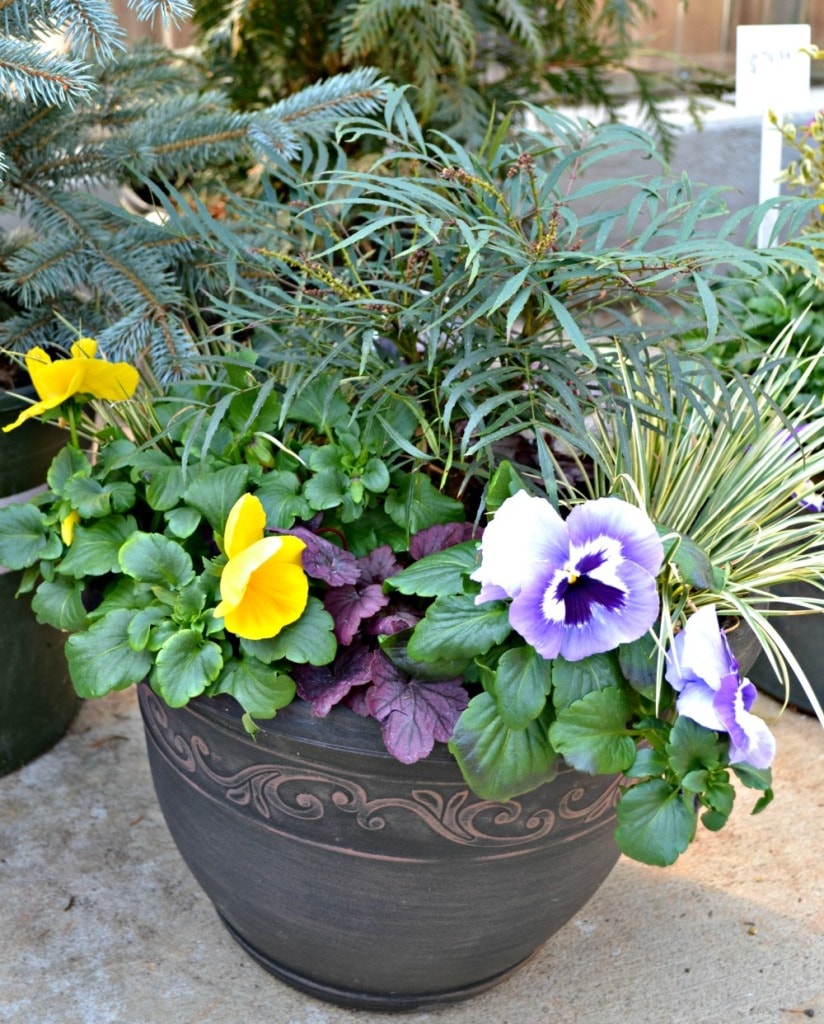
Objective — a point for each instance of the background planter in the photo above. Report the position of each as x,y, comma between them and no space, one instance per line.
805,636
360,880
37,700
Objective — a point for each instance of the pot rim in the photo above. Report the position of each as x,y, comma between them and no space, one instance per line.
341,729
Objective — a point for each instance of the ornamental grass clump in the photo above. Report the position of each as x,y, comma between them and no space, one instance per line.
225,540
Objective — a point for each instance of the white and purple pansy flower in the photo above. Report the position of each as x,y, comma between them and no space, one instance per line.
580,585
703,669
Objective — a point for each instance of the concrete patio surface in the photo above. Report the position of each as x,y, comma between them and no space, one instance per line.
102,923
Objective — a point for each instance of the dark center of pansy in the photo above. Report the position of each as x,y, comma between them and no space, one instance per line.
578,591
581,593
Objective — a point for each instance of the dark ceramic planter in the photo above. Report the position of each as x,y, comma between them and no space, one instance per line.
805,636
37,700
357,879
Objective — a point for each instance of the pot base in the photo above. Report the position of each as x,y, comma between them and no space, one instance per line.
354,1000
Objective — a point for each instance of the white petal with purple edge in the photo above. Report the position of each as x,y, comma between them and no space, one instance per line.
697,701
613,517
699,652
525,537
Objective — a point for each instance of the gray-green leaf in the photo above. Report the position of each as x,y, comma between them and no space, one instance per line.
497,761
592,734
455,627
184,667
101,659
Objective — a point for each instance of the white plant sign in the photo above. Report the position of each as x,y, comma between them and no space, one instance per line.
772,73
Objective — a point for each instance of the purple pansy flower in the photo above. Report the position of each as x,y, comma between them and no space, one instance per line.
579,586
702,668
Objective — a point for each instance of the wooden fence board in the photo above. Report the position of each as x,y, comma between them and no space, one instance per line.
704,31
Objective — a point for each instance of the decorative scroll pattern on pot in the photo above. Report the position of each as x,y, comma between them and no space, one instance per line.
281,790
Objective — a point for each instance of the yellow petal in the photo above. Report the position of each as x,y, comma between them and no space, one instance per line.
263,588
54,381
112,382
276,596
84,348
244,525
67,526
36,409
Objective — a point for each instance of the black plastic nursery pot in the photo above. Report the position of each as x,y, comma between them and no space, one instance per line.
804,635
37,700
360,880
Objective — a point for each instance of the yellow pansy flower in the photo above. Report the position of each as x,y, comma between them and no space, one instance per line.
57,380
263,586
67,526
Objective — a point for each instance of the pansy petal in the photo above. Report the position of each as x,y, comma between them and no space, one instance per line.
54,381
700,651
263,588
37,364
112,382
750,739
67,525
758,749
244,525
612,517
618,613
84,348
30,412
539,622
697,701
525,537
276,595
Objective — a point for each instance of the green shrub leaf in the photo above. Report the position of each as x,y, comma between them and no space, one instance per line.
153,558
572,680
418,504
258,689
311,639
59,602
438,575
95,548
214,492
455,627
25,536
522,682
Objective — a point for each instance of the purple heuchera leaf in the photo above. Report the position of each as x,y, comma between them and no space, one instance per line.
325,561
356,700
350,605
395,620
326,685
413,713
378,565
438,538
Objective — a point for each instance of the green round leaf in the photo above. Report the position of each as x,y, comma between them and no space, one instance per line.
153,558
655,825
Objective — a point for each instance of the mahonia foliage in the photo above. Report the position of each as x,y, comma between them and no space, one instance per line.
464,60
